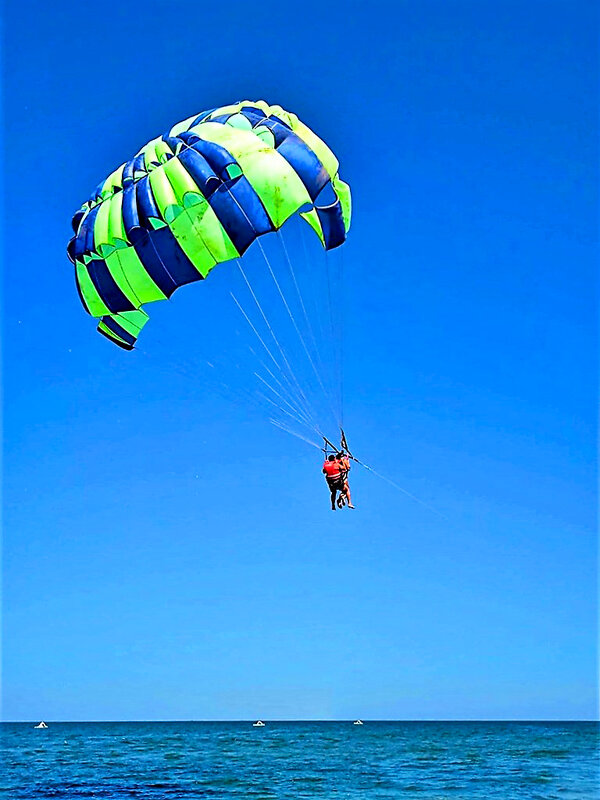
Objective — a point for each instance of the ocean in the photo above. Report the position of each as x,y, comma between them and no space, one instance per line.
295,760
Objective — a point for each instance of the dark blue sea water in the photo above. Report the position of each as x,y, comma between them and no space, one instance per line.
293,760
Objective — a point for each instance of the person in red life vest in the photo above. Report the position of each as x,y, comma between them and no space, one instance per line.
333,475
344,463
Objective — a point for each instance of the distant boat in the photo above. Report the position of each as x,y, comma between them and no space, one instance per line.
258,724
41,725
358,722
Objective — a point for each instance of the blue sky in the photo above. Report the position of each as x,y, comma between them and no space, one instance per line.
135,586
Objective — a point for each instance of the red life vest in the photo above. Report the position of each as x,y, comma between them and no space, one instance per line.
332,469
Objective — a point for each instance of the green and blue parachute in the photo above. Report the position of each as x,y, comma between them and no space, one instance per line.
195,197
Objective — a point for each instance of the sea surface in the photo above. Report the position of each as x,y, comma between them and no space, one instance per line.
293,760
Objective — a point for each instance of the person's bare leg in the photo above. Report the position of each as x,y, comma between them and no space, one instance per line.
347,493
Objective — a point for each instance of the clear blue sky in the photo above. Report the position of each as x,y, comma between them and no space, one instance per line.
133,588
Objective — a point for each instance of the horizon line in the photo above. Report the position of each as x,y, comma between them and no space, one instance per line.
266,719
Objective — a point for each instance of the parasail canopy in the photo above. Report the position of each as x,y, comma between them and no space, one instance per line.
195,197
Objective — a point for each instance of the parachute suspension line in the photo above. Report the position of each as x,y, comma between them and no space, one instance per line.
342,336
316,308
322,372
318,372
322,314
226,391
303,420
301,412
271,402
336,304
344,447
399,488
298,412
332,326
301,394
272,375
283,427
292,318
337,417
239,397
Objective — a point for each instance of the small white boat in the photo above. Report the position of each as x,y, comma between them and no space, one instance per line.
41,725
258,724
358,722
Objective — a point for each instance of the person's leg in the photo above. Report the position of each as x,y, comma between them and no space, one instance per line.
333,493
347,493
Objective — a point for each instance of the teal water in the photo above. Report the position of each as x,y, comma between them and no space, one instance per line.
295,760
